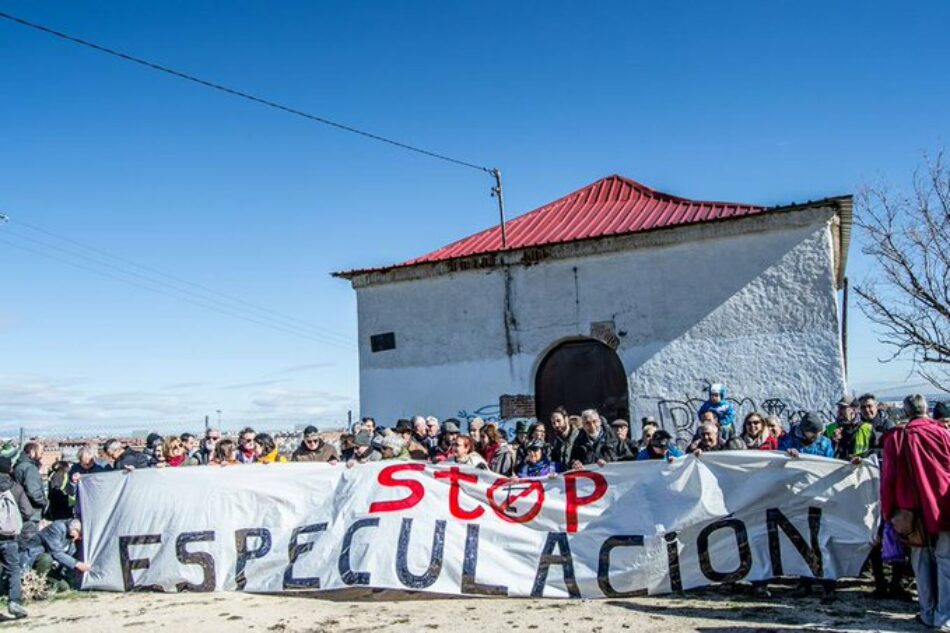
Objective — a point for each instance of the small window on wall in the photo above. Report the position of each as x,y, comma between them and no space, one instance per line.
382,342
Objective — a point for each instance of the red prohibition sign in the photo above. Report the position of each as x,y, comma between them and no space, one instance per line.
532,487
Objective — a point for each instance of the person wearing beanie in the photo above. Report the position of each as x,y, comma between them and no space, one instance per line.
10,543
313,449
806,438
362,450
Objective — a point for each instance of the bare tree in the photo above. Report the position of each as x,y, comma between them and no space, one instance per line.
908,293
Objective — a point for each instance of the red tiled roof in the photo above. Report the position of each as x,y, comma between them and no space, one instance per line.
611,206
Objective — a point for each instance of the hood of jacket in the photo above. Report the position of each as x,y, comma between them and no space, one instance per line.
6,482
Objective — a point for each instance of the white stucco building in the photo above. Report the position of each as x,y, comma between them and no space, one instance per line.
617,297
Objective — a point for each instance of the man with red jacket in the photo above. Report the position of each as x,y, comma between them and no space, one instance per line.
915,476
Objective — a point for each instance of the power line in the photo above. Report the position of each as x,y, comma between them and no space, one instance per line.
262,311
242,94
151,284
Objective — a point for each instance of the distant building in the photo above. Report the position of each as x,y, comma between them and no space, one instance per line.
617,297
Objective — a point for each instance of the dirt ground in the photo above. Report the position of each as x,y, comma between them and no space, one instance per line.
715,610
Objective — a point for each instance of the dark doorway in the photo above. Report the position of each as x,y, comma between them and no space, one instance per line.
582,374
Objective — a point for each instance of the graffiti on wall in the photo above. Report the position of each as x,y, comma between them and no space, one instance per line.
679,417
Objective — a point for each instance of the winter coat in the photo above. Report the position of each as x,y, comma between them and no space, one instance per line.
133,458
627,450
646,454
915,473
563,447
768,444
821,447
857,439
543,468
588,450
502,460
725,411
57,543
22,501
60,504
27,474
323,453
473,459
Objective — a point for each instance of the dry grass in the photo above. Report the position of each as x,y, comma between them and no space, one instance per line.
35,586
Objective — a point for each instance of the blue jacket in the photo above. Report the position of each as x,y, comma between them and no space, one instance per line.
542,469
821,447
55,537
645,454
725,411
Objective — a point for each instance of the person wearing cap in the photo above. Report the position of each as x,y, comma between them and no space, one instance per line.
850,437
648,426
805,438
520,444
725,411
10,557
362,450
627,449
450,431
565,435
536,464
313,449
661,446
415,450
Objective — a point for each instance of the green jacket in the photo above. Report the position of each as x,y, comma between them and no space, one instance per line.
856,440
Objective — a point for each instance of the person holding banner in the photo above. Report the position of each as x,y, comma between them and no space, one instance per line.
661,447
806,438
596,444
464,450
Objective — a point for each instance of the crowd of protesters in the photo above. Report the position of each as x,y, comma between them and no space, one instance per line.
40,527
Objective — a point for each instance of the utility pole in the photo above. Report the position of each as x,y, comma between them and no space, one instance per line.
219,419
207,423
844,327
496,191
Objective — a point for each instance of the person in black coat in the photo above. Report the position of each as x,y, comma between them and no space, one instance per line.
596,444
10,558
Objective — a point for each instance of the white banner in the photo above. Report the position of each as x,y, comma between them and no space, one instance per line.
625,529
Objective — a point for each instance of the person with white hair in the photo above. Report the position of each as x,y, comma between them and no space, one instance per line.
596,444
709,438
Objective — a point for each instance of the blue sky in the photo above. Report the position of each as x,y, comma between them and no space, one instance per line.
765,102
